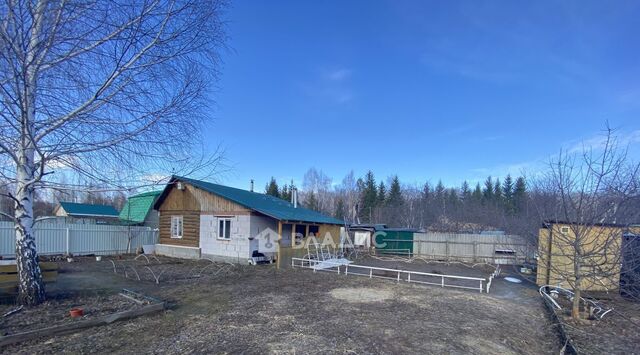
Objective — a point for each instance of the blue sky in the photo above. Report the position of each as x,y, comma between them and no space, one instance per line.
423,89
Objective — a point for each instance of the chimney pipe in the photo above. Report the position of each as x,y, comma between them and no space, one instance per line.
251,186
294,197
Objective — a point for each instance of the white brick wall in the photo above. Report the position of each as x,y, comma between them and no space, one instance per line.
239,247
236,247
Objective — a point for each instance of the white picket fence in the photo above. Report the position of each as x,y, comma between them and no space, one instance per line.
79,239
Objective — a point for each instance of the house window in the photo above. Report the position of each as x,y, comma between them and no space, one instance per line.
224,228
176,226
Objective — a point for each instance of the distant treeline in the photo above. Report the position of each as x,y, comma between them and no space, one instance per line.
493,204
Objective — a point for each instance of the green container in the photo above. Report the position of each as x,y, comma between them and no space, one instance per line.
394,241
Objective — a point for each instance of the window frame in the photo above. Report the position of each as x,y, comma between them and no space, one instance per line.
224,231
180,223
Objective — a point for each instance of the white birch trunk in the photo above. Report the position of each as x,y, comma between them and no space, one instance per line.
30,286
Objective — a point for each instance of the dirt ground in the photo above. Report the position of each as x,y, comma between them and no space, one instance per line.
55,311
618,332
243,309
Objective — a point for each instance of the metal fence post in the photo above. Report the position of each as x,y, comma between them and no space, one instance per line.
447,249
68,243
475,251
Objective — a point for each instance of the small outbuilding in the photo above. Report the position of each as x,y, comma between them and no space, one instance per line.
139,210
202,219
363,234
86,213
604,249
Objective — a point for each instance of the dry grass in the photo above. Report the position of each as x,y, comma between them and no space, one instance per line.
261,310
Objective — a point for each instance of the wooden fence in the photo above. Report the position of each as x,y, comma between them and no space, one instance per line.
489,248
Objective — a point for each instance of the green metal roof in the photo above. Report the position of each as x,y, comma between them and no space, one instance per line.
85,209
138,206
266,204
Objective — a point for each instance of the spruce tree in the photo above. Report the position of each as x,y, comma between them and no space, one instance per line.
507,191
519,194
487,192
394,203
368,197
272,188
476,196
285,193
426,192
382,194
440,191
395,198
497,193
465,192
425,205
452,200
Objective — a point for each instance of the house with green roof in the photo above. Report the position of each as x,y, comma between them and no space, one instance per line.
138,210
202,219
86,213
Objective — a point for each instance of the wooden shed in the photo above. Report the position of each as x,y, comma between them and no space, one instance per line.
602,254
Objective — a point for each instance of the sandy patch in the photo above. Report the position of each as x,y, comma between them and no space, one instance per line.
361,294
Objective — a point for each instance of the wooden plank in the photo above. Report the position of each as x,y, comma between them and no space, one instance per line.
8,269
48,265
72,327
12,269
8,278
48,276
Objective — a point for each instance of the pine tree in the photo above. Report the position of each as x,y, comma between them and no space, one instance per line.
426,192
394,203
439,191
368,197
487,192
507,191
382,194
519,194
395,198
452,200
497,193
272,188
439,198
477,194
340,209
465,192
285,193
427,216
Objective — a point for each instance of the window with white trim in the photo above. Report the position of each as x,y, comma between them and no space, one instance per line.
176,227
224,228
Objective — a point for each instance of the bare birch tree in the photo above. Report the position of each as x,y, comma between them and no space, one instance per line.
591,194
110,90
